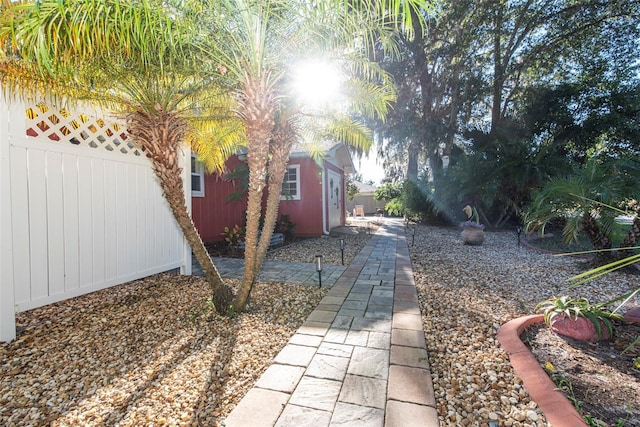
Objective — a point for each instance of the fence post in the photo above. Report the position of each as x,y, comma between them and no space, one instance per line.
185,160
7,305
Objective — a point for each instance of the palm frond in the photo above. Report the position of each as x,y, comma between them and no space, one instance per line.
351,132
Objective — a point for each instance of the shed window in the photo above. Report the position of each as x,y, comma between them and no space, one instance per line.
197,177
291,183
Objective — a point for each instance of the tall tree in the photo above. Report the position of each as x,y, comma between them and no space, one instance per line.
463,84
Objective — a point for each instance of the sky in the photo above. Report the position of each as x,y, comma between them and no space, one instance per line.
369,167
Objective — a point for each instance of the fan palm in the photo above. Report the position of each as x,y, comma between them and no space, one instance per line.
584,200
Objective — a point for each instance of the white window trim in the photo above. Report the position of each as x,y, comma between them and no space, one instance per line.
199,172
297,196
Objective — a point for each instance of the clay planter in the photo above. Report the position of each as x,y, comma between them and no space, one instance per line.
555,405
472,236
633,315
579,328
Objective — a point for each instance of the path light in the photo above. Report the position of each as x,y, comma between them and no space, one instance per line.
519,231
342,249
413,238
319,269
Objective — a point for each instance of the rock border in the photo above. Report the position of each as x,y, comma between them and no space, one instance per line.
556,407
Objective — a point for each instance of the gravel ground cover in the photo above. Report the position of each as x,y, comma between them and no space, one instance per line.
329,247
466,293
151,352
146,353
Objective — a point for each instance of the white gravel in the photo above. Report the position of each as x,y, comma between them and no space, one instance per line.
466,293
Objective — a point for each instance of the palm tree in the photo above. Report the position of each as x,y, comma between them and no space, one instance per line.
137,59
589,201
116,51
257,44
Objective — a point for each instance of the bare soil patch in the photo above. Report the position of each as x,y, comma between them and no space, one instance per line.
600,381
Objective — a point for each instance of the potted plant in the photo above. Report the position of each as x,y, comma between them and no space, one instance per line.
577,318
472,230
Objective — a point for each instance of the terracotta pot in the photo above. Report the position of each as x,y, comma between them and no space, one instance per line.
472,236
579,328
633,315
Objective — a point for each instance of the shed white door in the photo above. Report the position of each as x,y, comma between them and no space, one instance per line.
334,199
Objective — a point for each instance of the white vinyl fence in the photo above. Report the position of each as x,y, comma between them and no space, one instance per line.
80,209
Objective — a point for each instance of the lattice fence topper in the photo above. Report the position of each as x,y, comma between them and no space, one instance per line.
61,125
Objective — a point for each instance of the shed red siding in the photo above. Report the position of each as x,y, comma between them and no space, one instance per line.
306,213
211,213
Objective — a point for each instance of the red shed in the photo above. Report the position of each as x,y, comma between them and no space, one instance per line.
313,194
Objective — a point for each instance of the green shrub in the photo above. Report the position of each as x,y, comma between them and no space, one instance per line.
234,236
286,227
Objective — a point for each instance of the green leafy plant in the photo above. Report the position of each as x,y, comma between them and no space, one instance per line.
232,312
233,236
203,312
571,307
286,227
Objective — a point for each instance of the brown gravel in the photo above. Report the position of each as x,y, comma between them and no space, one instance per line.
328,247
145,353
151,353
466,293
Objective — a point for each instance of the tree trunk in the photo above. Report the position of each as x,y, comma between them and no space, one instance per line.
257,112
598,239
281,143
426,83
498,71
412,161
160,134
632,237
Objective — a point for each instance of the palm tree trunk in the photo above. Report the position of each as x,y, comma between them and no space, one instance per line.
598,239
257,162
160,134
257,110
282,140
632,237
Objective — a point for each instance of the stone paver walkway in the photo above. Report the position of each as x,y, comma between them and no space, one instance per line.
360,357
277,271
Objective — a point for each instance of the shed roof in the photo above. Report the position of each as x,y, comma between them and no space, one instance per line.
333,151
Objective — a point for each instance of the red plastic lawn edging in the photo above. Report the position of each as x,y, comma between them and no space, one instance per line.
556,407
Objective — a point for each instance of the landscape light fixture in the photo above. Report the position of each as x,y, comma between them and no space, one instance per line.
342,249
519,231
319,269
413,237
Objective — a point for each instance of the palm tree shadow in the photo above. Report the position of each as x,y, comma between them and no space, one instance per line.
185,351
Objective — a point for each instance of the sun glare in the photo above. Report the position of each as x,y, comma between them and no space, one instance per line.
317,83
